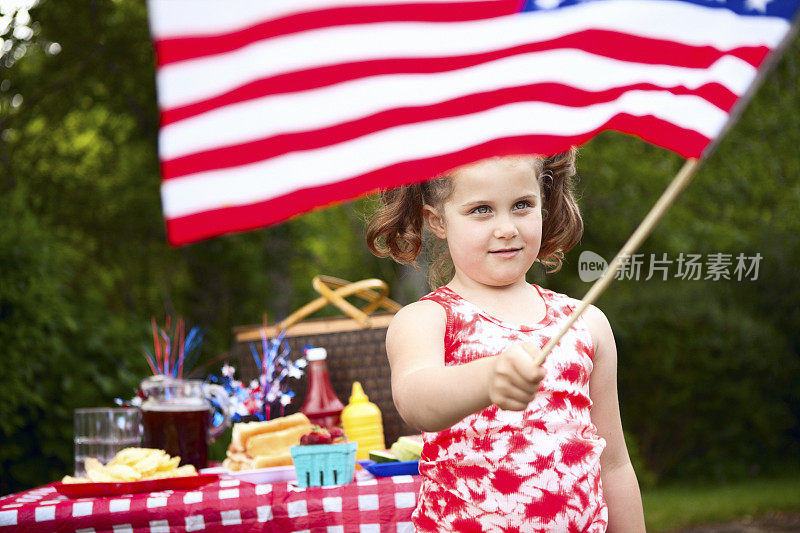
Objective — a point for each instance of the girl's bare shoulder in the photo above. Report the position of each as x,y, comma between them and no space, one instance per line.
419,316
599,327
417,326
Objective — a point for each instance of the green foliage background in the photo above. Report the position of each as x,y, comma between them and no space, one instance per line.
708,371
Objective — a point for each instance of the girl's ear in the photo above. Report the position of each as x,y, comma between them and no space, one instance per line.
434,220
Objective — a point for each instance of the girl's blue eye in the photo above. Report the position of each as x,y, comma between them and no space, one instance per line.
481,209
522,204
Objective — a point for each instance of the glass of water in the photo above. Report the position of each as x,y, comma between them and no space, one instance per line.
102,432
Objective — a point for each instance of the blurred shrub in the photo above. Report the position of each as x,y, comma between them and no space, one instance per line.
701,381
60,350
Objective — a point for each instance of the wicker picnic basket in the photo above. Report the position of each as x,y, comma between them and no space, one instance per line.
356,345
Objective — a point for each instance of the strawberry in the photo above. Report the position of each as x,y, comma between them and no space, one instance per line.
337,434
318,435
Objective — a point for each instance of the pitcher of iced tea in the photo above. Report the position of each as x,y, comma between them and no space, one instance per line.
177,417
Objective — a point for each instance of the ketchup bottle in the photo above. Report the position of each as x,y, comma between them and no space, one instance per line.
321,406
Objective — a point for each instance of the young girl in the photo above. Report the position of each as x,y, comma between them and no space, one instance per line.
509,445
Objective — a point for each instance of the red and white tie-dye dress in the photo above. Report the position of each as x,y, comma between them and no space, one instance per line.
515,471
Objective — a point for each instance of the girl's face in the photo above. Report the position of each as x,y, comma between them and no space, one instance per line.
492,221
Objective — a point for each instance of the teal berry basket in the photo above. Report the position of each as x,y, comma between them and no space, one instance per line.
320,465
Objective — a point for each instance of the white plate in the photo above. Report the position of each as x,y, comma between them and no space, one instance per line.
274,474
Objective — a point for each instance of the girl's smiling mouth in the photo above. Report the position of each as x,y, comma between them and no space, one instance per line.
506,252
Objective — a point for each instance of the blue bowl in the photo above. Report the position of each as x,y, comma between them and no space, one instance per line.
405,468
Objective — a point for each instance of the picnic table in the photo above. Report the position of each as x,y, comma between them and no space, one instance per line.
374,505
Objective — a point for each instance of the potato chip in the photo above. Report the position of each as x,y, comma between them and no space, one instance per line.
92,463
70,479
169,464
97,472
186,470
123,472
150,463
131,456
158,475
133,464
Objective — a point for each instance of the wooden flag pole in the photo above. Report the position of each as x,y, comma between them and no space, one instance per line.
679,182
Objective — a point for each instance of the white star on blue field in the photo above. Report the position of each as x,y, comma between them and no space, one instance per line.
780,8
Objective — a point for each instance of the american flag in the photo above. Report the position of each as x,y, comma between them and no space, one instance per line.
271,108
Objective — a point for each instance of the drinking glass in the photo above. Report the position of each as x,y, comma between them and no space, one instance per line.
176,417
103,431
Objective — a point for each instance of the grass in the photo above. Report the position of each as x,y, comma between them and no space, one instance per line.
681,505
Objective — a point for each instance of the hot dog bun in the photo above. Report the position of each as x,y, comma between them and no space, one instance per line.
264,444
243,432
265,461
276,441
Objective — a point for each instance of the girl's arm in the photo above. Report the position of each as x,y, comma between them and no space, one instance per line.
620,487
431,396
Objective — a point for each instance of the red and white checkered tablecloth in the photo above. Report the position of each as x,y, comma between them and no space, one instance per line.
378,505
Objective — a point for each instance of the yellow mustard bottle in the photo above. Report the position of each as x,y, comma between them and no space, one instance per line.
362,422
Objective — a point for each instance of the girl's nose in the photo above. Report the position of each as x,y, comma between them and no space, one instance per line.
505,229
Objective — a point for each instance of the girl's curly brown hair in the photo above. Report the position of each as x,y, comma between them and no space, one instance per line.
396,229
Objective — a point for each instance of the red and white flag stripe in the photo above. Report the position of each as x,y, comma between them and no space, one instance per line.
270,109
